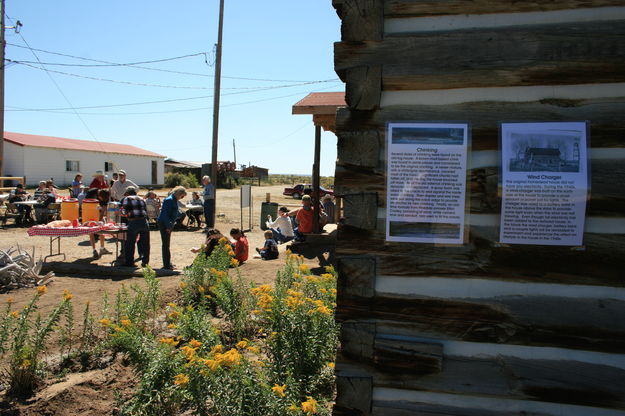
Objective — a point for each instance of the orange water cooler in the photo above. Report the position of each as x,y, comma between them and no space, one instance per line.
69,210
90,210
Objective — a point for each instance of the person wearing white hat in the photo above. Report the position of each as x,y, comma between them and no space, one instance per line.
119,186
98,180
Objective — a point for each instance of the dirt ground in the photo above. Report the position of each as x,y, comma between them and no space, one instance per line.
92,393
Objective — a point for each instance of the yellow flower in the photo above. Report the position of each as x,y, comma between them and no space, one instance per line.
223,240
309,406
293,408
172,326
234,262
264,301
189,308
172,304
183,285
188,352
169,341
330,269
327,276
10,301
201,289
331,365
25,363
217,349
67,295
126,323
324,310
333,291
254,350
212,364
42,290
213,270
14,314
279,390
194,343
229,358
208,296
304,268
174,315
104,322
181,379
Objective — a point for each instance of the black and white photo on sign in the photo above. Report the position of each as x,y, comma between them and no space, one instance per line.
426,182
544,183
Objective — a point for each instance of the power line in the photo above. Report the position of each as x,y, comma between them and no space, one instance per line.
61,110
157,69
122,64
142,84
59,88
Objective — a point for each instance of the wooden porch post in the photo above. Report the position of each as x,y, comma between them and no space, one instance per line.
315,178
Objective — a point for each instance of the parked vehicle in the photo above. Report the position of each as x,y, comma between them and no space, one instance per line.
302,189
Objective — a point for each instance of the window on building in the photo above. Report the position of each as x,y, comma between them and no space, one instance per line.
108,166
72,166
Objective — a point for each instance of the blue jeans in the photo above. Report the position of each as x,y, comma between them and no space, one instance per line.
209,212
279,237
137,227
165,239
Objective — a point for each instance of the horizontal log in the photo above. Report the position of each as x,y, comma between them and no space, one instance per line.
601,262
408,356
561,54
356,276
546,321
422,8
557,381
606,126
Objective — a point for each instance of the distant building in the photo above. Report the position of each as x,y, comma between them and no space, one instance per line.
44,157
537,158
254,172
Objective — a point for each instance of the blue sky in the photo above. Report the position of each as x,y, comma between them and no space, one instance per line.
285,42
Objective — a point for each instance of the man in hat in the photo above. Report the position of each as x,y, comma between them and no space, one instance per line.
119,187
133,207
98,180
282,228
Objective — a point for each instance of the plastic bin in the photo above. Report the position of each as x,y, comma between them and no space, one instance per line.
112,212
69,210
267,208
90,210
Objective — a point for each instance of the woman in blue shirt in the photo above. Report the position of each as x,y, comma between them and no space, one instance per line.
167,217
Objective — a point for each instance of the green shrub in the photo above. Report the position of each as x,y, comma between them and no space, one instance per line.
176,179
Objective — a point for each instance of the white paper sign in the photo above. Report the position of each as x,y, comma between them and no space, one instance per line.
246,196
426,184
544,183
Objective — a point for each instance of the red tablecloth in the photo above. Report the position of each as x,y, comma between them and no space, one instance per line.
68,231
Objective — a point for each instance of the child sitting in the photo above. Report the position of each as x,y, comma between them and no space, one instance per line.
212,241
241,246
270,250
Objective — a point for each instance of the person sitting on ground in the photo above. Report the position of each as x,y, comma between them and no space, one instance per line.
119,187
212,240
24,211
270,250
240,246
282,227
133,208
99,181
194,215
76,186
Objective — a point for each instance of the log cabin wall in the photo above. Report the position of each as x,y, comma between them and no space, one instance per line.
482,329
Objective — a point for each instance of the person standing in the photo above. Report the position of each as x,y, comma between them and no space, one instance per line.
76,185
119,186
166,219
209,202
98,180
114,178
133,207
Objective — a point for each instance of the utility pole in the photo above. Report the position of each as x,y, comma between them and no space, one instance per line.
2,45
234,146
216,101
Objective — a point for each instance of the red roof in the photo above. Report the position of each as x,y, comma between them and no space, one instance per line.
73,144
320,103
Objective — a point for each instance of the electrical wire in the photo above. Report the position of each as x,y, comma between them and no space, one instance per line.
141,84
59,89
158,69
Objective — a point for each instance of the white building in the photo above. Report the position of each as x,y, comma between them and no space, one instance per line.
44,157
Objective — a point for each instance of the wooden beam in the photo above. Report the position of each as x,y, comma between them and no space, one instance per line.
315,180
574,53
360,19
